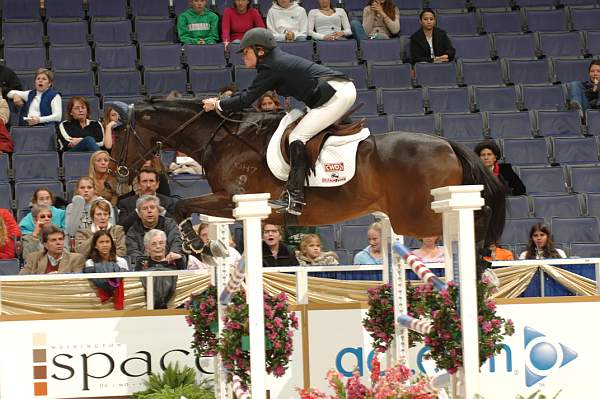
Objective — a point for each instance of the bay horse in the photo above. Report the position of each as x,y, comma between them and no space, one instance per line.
394,171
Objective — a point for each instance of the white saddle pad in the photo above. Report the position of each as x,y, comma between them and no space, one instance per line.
335,165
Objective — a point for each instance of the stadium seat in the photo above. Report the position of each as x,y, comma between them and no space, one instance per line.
517,207
501,21
163,81
207,55
585,249
211,79
409,23
73,31
33,139
376,124
584,19
23,33
436,74
331,51
528,71
160,55
9,267
592,201
447,99
75,57
301,49
490,3
558,123
353,237
543,97
24,58
525,151
543,180
369,99
497,98
574,150
150,8
511,124
580,229
116,56
516,231
107,8
415,123
188,186
569,69
593,122
243,76
584,179
4,169
380,50
552,20
75,83
64,9
111,32
511,45
327,234
446,4
155,30
181,5
548,206
562,44
402,101
486,73
358,74
390,75
24,191
463,126
20,9
6,197
463,23
119,82
36,166
76,164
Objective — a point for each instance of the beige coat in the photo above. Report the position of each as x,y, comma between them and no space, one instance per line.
4,111
83,240
37,262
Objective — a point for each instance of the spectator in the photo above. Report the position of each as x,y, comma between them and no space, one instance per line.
110,122
287,21
310,252
497,253
100,215
202,231
381,20
275,252
78,133
149,183
540,244
102,249
584,95
489,152
54,258
430,44
227,91
6,143
269,101
327,23
43,196
9,80
42,215
9,231
237,20
107,185
163,178
148,209
198,25
429,251
40,106
372,254
78,211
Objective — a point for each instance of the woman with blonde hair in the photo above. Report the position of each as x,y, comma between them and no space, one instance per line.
107,186
78,211
8,232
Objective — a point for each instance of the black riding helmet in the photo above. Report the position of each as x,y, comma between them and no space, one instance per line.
258,37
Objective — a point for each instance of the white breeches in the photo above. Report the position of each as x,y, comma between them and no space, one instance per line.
319,118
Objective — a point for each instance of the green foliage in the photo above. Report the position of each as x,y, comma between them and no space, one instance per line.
174,383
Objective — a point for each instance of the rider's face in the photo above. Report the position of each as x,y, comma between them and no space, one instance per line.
249,57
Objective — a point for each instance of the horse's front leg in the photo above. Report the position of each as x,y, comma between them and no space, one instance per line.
215,204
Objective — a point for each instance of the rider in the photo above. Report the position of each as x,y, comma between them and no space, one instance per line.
327,93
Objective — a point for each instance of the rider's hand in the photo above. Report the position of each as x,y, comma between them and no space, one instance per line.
210,104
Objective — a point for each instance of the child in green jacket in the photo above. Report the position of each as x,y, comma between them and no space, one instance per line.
198,25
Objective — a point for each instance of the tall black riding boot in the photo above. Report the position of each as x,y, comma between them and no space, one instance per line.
293,195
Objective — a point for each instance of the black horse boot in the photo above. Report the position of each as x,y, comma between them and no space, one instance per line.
293,196
192,244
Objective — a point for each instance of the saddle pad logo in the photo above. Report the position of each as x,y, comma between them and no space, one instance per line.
543,356
334,167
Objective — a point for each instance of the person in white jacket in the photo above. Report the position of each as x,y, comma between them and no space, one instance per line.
287,21
327,23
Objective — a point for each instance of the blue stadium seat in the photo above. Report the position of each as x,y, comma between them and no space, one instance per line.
548,206
507,125
75,57
475,47
593,122
107,8
543,180
584,179
207,55
525,151
119,82
111,32
569,69
516,231
409,24
329,51
116,56
467,126
390,75
301,49
353,237
76,164
592,202
232,55
490,3
75,83
33,139
357,73
558,123
436,74
163,81
369,99
61,31
188,186
415,123
446,4
528,71
585,249
593,41
23,33
402,101
447,99
24,191
544,97
511,45
4,169
376,124
487,73
501,21
580,229
327,234
498,98
380,50
9,267
365,220
160,55
6,197
25,58
463,23
583,19
64,9
155,30
150,8
546,20
20,9
181,5
562,44
36,166
243,76
517,207
210,79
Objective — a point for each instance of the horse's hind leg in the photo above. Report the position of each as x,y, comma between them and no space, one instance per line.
215,204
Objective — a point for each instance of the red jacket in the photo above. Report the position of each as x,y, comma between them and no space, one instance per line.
7,251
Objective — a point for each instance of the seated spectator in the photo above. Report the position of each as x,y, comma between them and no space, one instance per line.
275,252
584,95
327,23
54,258
489,152
9,231
78,211
149,183
239,19
6,143
498,253
202,231
227,91
9,80
103,250
78,133
269,101
372,254
43,196
40,106
430,44
310,252
148,208
198,25
110,122
163,177
107,185
42,216
100,215
540,244
287,21
381,20
429,251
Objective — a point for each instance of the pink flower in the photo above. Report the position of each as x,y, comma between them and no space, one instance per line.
486,326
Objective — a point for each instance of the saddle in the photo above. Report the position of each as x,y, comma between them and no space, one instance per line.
314,145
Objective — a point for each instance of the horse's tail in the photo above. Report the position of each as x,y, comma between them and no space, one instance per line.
474,172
